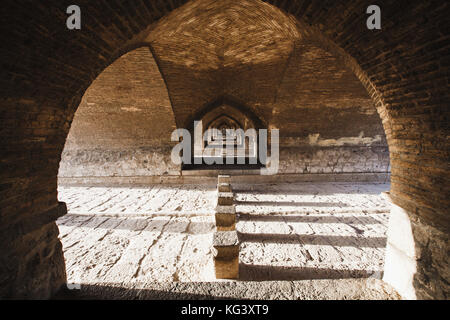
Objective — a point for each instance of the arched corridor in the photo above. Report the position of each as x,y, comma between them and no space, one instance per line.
358,111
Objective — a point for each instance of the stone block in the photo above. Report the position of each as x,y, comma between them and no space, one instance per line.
400,257
226,209
399,272
225,199
223,179
224,187
399,233
226,269
229,227
225,245
226,254
226,218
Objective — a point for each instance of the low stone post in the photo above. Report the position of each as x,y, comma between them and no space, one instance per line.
225,241
226,254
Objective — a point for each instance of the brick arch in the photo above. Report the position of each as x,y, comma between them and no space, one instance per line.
224,120
125,116
229,106
404,66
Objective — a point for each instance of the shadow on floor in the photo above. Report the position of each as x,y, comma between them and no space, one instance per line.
250,272
338,241
290,204
108,292
125,223
174,186
308,219
255,278
268,190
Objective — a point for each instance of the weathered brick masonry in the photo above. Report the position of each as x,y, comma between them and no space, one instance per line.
124,123
327,121
47,69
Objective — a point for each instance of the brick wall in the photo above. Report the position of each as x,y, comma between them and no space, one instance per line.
327,121
47,69
123,124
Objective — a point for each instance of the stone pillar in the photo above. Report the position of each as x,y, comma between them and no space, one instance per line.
225,242
400,260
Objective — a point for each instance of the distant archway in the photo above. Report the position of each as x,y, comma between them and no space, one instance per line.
222,114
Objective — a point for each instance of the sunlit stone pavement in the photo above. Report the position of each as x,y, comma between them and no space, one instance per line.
163,233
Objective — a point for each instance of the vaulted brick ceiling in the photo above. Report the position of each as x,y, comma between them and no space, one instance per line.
258,55
208,48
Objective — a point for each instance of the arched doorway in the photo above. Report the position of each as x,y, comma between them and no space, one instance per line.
42,89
